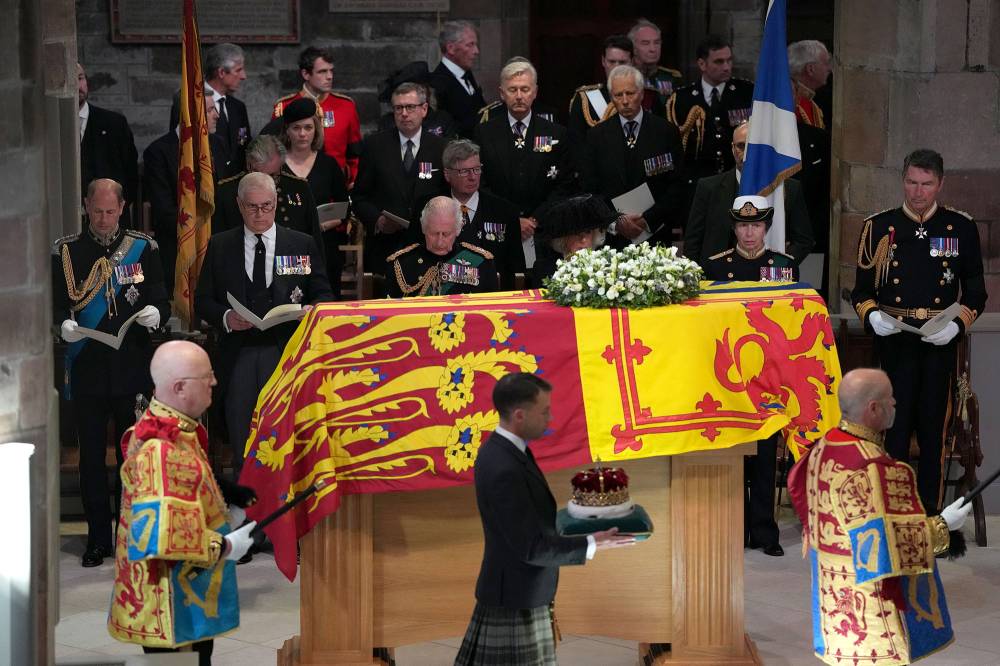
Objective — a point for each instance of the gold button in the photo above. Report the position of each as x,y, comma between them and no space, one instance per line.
893,246
944,263
941,282
895,280
730,275
892,228
770,262
899,317
898,299
949,227
729,259
895,263
937,300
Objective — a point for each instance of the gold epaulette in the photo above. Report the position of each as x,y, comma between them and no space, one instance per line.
342,96
279,108
146,237
960,212
671,72
477,249
232,178
62,241
484,113
398,253
721,254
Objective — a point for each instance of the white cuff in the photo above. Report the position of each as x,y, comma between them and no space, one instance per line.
591,546
225,323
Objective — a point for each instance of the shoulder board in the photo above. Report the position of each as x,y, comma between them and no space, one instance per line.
62,241
398,253
881,212
477,249
786,256
232,178
736,79
688,86
721,254
592,86
484,113
138,234
671,72
341,96
960,212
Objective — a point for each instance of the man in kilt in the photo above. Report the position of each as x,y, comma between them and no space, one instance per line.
512,621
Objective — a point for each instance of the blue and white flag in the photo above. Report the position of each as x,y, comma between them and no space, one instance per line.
772,153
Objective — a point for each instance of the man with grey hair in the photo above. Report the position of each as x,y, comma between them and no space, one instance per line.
262,265
296,208
660,82
224,72
399,167
452,80
527,159
630,149
809,66
439,265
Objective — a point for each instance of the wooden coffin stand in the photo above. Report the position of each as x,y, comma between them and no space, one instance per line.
393,569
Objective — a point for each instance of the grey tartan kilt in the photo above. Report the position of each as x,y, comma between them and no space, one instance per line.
505,637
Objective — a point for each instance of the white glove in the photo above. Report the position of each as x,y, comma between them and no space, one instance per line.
955,514
149,317
944,336
236,516
880,325
69,332
239,541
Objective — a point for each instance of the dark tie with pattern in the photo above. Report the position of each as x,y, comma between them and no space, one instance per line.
408,157
470,83
630,128
465,215
519,134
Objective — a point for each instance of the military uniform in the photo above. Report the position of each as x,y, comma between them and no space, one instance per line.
341,127
806,109
707,134
583,114
736,264
911,268
101,286
416,271
660,85
296,206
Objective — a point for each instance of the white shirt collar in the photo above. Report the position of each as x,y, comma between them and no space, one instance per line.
457,71
270,234
706,89
512,438
637,119
84,115
472,204
526,120
739,175
415,139
216,95
249,247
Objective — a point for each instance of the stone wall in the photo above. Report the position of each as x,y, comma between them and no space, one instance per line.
921,73
139,80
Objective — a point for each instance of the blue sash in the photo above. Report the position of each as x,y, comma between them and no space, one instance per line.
93,313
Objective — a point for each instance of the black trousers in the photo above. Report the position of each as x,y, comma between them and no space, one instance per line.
759,470
253,367
921,375
92,415
203,648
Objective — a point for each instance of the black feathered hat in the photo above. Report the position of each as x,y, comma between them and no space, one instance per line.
572,216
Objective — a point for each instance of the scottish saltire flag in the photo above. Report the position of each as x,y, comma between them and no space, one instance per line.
772,153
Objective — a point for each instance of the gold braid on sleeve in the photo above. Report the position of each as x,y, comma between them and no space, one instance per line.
879,260
100,275
695,120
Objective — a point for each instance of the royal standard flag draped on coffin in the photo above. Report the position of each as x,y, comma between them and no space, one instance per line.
380,396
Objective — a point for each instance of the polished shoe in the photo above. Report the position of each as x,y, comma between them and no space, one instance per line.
94,556
774,550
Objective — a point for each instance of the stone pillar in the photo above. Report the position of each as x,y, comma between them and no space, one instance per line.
25,341
921,74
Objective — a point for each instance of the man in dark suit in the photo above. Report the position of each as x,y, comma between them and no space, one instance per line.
488,221
159,181
452,80
103,277
107,149
632,148
224,72
296,206
527,159
709,229
522,551
263,265
399,168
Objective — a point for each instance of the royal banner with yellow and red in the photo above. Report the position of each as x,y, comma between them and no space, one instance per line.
377,396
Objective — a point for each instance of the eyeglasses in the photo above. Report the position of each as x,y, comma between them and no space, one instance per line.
466,172
210,377
266,207
409,108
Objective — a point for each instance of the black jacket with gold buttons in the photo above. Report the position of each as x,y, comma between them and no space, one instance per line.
734,264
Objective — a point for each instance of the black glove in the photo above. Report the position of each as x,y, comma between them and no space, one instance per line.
235,494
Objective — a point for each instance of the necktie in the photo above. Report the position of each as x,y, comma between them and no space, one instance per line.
222,108
465,215
519,134
715,97
408,156
470,83
630,128
259,255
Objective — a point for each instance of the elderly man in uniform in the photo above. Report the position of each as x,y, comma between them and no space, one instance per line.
175,582
526,158
438,265
914,261
876,593
630,149
341,127
457,91
591,104
280,266
224,73
709,226
296,207
660,82
105,277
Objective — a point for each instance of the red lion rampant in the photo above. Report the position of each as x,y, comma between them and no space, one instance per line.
779,352
852,604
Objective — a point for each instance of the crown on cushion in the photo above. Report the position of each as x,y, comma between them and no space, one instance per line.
601,486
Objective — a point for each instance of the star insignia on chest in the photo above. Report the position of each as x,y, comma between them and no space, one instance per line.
132,295
948,276
920,232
